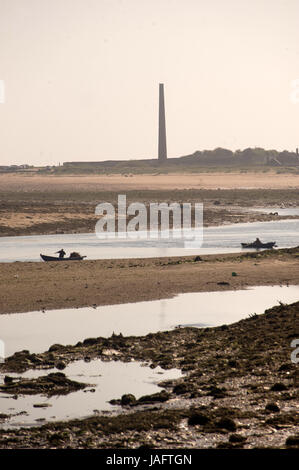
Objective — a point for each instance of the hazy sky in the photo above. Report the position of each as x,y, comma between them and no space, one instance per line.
81,77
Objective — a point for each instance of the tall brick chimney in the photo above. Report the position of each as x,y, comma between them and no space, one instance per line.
162,150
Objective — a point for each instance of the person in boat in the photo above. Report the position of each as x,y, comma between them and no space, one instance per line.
258,242
61,253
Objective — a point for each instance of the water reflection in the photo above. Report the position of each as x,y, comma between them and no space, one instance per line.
109,379
37,331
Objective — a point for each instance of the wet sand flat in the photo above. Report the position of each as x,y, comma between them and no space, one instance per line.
39,204
37,286
213,180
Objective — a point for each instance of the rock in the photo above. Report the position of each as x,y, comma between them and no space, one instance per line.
33,358
234,438
226,423
198,418
279,387
225,445
8,379
36,360
180,389
56,438
217,392
49,364
272,407
115,402
41,405
55,383
128,399
20,355
285,367
55,347
232,363
293,441
90,341
155,397
60,365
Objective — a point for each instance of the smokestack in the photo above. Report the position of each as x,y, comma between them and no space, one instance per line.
162,151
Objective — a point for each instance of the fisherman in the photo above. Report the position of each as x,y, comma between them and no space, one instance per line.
61,253
258,242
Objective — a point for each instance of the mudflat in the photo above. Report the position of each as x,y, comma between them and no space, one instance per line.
114,182
31,205
45,286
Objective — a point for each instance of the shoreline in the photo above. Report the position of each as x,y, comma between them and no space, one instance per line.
19,225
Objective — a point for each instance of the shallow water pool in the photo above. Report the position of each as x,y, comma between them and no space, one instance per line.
37,331
109,380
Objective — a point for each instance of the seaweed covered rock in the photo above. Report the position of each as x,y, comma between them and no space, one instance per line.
52,384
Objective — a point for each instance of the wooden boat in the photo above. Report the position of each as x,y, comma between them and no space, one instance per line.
258,245
56,258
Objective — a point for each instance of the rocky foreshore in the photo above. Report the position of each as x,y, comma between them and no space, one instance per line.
239,389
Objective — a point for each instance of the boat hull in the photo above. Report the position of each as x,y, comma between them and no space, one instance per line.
55,258
257,246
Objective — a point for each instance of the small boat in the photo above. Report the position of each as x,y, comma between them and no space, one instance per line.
56,258
258,245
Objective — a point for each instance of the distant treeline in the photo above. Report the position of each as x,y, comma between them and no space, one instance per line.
207,158
248,156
